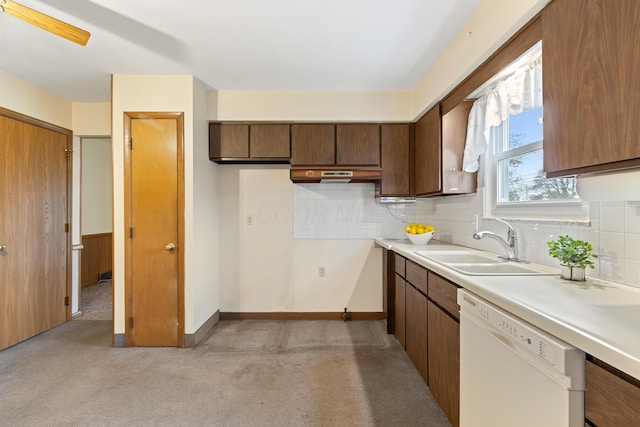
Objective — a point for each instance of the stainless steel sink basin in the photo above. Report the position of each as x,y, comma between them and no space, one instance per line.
476,263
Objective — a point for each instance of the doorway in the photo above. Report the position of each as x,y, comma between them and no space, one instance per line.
95,230
154,224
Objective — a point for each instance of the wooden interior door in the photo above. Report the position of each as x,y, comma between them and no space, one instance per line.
34,243
154,262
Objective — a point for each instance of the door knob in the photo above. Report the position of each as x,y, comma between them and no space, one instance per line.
170,247
3,248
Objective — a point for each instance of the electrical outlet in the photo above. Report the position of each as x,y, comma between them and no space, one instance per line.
322,271
249,219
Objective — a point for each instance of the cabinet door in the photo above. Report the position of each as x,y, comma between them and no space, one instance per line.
416,329
417,275
444,361
269,141
389,288
395,160
428,153
313,144
228,140
358,144
400,311
591,94
444,293
454,136
610,400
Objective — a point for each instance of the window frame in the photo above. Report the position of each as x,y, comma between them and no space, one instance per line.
576,210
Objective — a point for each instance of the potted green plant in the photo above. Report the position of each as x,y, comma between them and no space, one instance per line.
574,255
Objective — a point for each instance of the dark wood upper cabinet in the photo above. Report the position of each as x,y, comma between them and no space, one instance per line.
439,147
269,141
426,161
395,158
358,144
591,61
313,144
228,141
249,143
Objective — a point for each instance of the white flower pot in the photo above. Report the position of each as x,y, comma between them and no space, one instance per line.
572,273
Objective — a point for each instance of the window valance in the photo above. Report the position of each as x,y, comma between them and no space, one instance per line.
520,92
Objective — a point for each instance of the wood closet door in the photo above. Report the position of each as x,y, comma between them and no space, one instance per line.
34,209
154,252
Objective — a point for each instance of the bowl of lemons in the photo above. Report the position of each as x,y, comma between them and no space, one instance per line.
419,234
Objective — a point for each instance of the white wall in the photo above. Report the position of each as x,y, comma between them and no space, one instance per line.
28,99
140,93
310,106
264,269
493,23
96,194
91,118
76,237
204,294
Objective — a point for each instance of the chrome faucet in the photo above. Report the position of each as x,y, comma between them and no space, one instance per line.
510,245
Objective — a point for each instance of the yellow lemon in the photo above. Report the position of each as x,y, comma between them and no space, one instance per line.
407,228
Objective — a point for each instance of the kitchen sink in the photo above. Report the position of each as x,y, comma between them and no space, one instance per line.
460,257
508,268
476,263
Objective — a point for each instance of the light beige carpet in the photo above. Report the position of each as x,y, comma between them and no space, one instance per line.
246,373
96,302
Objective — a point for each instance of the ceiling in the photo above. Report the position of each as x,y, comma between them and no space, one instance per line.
322,45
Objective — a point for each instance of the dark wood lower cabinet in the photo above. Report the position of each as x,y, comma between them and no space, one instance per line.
444,361
426,323
399,315
610,399
416,329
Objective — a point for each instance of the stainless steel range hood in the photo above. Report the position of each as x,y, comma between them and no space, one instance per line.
335,174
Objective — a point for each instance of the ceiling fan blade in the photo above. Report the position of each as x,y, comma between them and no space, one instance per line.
46,22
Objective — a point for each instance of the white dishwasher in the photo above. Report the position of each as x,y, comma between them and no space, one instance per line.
514,374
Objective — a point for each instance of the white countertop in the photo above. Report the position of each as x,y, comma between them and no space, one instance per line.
601,318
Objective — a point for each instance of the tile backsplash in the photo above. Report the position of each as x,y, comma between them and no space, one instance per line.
348,211
344,211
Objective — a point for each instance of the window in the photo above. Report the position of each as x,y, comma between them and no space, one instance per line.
505,124
518,166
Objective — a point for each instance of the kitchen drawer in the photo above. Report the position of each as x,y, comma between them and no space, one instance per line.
443,293
417,276
400,265
609,399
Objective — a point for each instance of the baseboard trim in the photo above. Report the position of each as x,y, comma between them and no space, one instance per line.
192,340
289,315
118,340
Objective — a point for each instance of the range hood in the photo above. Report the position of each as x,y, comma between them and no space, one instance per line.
335,174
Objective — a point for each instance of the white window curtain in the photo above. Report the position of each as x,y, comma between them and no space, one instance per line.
520,92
